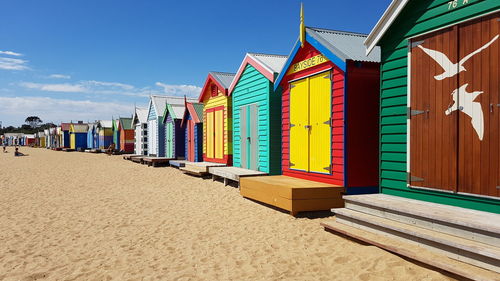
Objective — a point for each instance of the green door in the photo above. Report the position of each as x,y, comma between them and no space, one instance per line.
169,140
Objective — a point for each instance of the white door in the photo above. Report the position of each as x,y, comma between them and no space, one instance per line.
152,137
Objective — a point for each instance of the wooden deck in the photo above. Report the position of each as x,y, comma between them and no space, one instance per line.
155,161
138,159
466,235
233,173
292,194
178,163
129,156
199,168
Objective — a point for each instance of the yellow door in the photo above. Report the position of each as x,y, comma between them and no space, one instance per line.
210,135
299,125
219,134
320,120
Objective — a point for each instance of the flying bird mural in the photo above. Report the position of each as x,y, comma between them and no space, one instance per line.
451,69
464,101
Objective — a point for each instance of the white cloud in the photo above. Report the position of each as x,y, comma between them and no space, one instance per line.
67,88
59,76
15,109
110,84
13,64
10,53
180,90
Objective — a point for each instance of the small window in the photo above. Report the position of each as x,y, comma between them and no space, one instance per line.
145,126
213,90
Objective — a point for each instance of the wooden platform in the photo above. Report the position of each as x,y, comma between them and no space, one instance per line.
68,150
138,159
292,194
178,163
129,156
466,235
155,161
232,173
199,168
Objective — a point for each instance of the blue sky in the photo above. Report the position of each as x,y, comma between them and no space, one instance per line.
94,59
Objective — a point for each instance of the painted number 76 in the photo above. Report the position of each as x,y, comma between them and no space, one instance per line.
453,4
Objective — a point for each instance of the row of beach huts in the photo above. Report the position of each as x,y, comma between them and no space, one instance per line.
398,132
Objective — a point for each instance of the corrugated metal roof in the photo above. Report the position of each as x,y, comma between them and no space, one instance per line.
80,128
65,126
198,107
126,123
106,123
223,78
141,113
345,45
274,62
159,102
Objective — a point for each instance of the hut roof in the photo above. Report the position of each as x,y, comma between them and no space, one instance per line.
195,110
65,126
268,65
159,103
79,128
221,79
105,123
337,46
126,123
140,115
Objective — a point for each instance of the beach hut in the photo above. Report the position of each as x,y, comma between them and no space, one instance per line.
92,136
126,135
78,135
217,114
257,113
46,133
116,133
440,102
330,110
140,124
192,122
64,135
174,133
156,129
105,131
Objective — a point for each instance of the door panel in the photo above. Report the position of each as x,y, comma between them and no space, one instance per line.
210,135
478,112
319,120
299,122
243,137
433,129
254,137
169,151
191,140
219,134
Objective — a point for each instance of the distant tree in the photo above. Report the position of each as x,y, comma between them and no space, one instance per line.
33,121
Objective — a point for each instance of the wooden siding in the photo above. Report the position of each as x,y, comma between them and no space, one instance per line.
418,17
337,116
254,88
220,101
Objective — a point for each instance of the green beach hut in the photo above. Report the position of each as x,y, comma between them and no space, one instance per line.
257,114
440,101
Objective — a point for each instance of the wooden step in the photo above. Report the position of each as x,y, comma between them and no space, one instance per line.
233,173
473,252
466,223
414,252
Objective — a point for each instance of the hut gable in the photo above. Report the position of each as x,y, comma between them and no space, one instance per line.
140,115
267,65
216,84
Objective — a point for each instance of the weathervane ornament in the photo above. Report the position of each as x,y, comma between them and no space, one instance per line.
302,26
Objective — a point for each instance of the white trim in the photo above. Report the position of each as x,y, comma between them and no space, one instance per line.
408,120
312,74
384,23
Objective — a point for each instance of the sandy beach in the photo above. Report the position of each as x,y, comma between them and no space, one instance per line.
81,216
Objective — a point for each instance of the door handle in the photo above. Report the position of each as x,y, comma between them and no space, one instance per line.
308,127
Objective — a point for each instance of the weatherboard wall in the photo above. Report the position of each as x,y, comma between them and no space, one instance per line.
254,88
417,18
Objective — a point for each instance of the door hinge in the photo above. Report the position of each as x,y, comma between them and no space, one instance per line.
416,43
410,112
498,187
328,122
292,86
329,169
292,125
411,178
329,76
291,164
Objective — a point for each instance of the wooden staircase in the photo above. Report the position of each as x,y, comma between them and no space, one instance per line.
468,236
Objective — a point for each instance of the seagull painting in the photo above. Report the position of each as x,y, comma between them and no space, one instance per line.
451,69
470,107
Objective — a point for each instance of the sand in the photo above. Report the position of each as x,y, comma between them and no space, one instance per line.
81,216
